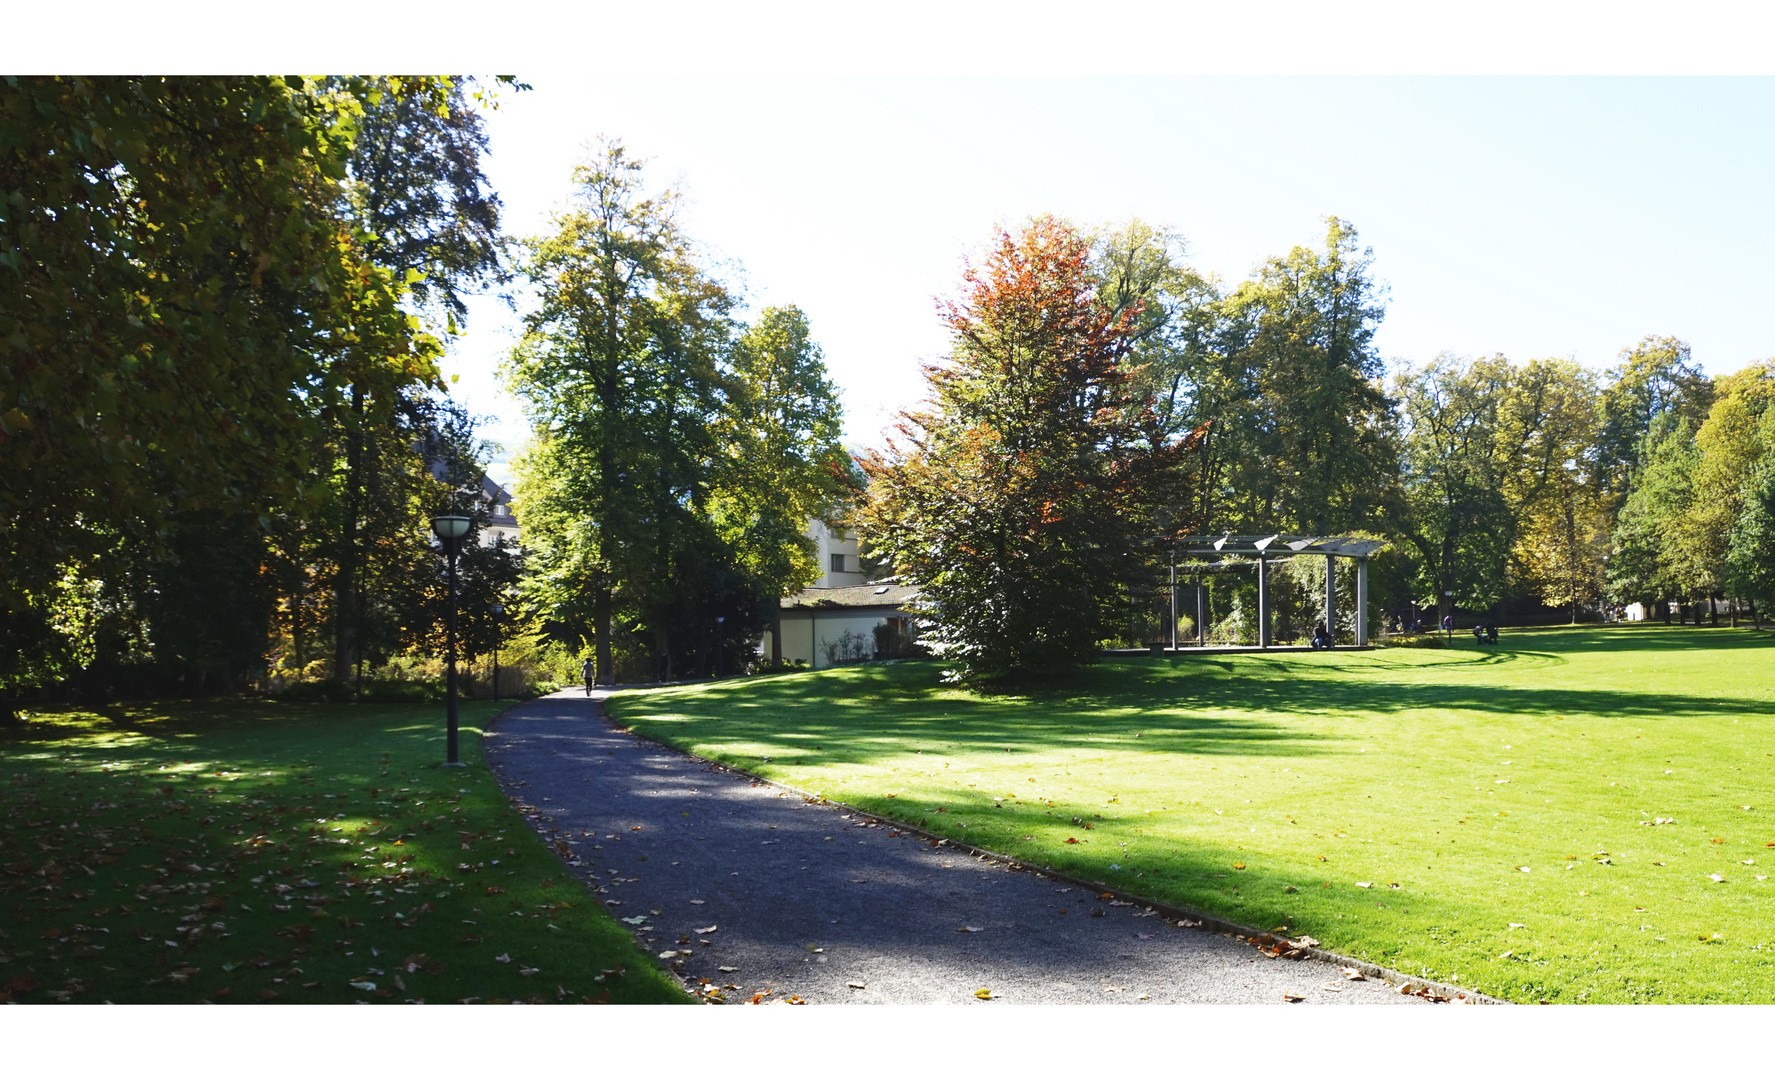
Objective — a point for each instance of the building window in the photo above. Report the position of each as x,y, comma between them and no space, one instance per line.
837,563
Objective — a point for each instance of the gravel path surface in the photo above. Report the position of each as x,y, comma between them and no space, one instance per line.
763,890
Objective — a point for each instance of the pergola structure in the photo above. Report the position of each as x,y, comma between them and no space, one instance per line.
1279,545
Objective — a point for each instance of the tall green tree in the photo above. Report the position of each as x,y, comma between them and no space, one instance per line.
1546,453
1457,517
1035,490
422,208
779,462
1734,444
1283,365
1656,377
1750,550
1648,562
1302,334
182,300
673,450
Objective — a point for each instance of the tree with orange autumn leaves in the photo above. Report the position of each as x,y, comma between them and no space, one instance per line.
1031,495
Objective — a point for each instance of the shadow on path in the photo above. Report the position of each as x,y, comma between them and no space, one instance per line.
760,889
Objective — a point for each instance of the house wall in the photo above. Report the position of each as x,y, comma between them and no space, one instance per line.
842,545
806,634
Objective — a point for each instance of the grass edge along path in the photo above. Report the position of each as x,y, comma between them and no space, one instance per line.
1385,803
243,851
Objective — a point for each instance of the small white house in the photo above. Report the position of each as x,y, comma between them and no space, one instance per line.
825,627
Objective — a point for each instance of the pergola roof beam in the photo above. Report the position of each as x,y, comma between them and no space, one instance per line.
1229,544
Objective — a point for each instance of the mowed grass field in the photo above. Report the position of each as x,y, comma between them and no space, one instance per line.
262,852
1582,815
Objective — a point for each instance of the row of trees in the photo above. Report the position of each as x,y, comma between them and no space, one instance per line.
222,426
1101,397
1499,482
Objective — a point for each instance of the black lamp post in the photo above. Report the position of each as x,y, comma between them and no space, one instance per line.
451,528
719,619
498,611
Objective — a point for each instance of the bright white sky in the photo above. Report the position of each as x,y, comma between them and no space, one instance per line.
1531,217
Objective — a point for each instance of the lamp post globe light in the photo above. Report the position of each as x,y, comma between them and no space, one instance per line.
498,611
450,529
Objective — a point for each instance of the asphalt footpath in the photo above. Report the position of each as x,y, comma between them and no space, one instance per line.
770,896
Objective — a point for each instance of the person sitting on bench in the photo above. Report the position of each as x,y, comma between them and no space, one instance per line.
1321,637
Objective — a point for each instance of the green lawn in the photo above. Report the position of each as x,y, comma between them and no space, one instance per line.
1493,818
246,852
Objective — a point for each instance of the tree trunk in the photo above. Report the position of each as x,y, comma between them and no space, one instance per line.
601,633
345,580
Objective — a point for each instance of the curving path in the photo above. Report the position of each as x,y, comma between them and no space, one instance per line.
766,891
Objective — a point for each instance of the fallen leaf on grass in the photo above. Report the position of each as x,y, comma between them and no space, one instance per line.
363,984
524,971
503,958
1365,884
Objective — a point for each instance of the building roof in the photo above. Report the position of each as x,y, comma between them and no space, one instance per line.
495,495
874,594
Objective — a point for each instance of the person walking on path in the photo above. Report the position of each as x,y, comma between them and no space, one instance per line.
754,892
588,671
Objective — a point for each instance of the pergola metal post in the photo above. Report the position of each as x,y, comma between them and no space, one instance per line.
1201,614
1263,601
1331,596
1362,601
1263,589
1173,603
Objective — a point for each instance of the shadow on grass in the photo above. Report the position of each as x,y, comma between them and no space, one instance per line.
1183,705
